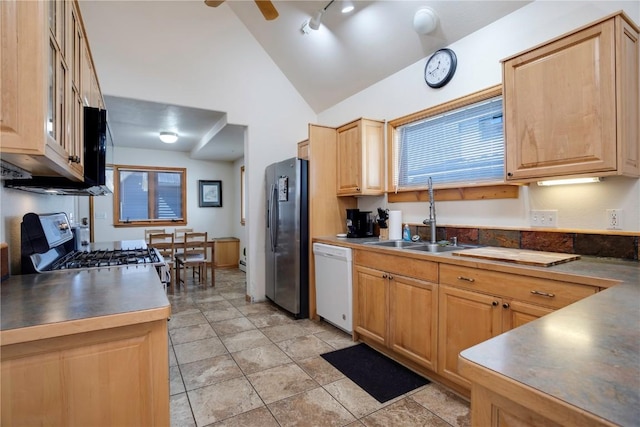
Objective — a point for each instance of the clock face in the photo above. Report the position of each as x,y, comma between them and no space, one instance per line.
440,68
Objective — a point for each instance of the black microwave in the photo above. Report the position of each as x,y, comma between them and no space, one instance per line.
95,162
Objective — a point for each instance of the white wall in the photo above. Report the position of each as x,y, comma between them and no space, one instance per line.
479,55
222,68
218,222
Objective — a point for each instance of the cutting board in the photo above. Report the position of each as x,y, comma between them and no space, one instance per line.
518,256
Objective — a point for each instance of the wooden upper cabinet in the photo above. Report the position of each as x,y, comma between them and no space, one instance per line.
571,105
360,158
41,111
303,149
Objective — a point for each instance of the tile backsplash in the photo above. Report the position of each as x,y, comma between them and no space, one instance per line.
601,245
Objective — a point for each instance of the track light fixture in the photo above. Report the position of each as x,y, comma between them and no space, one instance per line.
314,22
347,6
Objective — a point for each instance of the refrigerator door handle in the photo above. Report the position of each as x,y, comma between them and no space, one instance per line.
270,218
274,224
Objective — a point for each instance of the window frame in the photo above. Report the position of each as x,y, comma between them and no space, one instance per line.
118,222
495,189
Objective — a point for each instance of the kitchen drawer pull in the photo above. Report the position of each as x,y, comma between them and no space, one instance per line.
543,294
384,276
466,279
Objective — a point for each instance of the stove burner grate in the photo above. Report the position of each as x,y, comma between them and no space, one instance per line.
106,258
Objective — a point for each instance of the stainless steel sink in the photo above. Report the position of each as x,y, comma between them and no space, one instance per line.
395,244
437,248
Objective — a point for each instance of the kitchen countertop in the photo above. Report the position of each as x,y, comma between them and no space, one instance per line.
586,355
593,271
38,306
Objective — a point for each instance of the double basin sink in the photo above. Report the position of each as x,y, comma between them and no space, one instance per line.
418,246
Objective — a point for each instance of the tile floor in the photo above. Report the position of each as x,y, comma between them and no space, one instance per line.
233,363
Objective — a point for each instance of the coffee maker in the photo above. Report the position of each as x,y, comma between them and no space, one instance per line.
359,224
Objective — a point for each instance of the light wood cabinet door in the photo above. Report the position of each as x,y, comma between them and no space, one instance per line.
39,109
413,319
371,300
516,313
465,319
360,158
227,252
116,376
303,150
567,105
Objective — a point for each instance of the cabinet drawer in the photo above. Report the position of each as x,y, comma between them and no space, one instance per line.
550,293
419,269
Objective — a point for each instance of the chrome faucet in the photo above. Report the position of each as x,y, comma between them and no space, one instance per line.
431,221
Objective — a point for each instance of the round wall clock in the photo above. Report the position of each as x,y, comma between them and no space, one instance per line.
440,68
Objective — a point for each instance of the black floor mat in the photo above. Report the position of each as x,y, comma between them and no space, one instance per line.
381,377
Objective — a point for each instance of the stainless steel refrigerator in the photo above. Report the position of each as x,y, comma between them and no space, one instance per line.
287,236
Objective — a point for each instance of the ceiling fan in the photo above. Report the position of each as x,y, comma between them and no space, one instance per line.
266,7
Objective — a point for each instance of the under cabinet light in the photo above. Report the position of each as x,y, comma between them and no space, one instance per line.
569,181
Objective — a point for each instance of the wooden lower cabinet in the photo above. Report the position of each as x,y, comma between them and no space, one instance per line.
466,318
519,313
413,319
371,301
227,252
397,312
111,377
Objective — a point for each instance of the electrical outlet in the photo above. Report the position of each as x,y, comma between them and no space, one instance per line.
614,219
547,218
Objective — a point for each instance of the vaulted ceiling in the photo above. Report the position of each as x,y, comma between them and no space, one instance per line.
346,55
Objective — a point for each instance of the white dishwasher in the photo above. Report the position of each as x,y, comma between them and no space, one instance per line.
333,285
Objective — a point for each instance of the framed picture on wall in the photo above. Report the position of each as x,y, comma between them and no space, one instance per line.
210,194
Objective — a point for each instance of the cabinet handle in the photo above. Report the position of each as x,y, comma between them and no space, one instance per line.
543,294
494,303
509,174
357,188
466,279
74,159
390,277
384,276
505,305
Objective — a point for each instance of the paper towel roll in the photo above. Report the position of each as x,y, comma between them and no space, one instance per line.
395,225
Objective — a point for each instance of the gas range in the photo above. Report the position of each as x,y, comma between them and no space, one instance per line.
107,258
48,244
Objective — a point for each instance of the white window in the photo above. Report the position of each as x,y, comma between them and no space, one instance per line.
464,145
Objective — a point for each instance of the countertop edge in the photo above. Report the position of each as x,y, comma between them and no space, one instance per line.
526,396
78,326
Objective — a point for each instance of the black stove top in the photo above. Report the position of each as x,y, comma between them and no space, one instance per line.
106,258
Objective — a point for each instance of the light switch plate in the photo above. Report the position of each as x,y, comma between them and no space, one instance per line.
547,218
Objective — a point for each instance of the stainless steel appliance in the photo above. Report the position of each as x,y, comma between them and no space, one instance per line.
96,139
48,244
287,236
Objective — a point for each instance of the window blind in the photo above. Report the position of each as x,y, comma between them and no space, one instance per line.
465,145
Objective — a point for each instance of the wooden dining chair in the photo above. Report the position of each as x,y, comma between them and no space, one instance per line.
150,231
194,254
164,243
179,232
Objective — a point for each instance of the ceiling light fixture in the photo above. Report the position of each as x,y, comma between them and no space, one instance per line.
569,181
425,21
347,6
168,137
